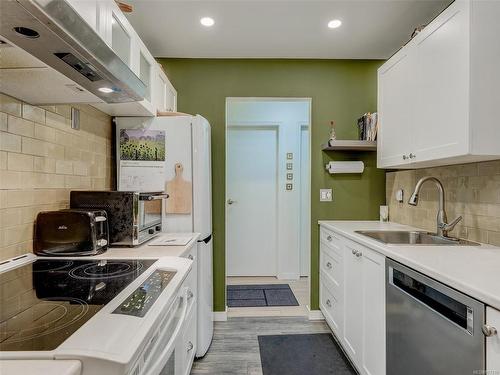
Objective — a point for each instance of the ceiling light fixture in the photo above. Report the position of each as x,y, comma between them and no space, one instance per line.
106,90
207,21
333,24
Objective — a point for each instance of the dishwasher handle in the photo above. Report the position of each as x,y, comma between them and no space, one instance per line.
445,305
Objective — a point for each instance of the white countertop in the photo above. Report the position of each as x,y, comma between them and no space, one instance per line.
40,367
146,250
472,270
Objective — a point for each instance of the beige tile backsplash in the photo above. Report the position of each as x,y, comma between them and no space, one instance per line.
42,159
471,190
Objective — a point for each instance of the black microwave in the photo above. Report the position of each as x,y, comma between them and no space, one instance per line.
71,233
134,217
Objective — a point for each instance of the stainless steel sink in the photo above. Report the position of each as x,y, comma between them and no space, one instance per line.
414,238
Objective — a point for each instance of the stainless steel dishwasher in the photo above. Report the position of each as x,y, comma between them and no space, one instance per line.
432,329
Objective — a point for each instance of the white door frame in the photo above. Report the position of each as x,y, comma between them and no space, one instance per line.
309,125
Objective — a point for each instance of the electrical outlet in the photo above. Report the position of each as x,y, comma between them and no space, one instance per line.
325,195
289,176
289,187
289,166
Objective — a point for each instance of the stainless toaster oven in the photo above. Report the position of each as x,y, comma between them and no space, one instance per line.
133,217
71,233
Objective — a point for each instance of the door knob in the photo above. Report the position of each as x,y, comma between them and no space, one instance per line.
230,201
489,330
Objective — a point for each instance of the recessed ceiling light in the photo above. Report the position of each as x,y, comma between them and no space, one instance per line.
333,24
106,90
207,21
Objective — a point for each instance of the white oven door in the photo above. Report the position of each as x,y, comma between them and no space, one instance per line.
161,358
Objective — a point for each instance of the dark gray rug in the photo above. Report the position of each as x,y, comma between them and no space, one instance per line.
316,354
260,295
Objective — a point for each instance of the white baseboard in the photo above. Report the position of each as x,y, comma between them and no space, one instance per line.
288,276
220,316
315,314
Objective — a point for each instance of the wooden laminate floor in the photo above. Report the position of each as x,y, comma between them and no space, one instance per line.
235,349
300,289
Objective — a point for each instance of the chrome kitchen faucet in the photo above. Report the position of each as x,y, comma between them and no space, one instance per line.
442,226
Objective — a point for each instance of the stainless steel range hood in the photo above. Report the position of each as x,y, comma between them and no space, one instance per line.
53,32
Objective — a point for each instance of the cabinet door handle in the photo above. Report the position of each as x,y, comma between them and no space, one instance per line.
359,253
489,330
329,265
190,346
190,256
329,303
329,238
190,294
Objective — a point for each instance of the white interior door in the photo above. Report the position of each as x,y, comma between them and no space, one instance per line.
251,201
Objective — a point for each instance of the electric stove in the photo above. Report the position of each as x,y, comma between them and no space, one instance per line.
117,316
45,302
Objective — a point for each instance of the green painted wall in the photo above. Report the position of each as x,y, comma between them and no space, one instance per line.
341,90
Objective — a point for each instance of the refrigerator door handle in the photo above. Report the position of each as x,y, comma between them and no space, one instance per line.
206,239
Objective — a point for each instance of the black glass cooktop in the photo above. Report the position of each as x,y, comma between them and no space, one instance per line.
44,302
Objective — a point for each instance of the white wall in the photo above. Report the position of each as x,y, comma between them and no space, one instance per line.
290,116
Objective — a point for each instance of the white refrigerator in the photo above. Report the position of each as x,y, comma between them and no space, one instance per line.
187,160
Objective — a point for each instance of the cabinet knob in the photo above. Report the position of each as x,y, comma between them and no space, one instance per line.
358,254
190,294
190,256
353,252
405,157
329,238
190,346
412,156
329,303
489,330
329,265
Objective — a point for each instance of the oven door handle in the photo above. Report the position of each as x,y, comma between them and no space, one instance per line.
153,197
162,358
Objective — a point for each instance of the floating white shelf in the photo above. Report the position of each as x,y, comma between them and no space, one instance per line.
350,145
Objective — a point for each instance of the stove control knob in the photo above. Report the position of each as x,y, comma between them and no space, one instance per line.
151,231
158,228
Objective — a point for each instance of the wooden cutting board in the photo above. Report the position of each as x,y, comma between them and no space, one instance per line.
180,195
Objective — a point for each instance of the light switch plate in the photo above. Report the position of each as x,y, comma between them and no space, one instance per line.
325,195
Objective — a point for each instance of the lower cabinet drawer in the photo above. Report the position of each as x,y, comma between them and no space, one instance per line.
331,307
332,266
331,239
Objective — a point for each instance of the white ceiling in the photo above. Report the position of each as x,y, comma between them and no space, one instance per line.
371,29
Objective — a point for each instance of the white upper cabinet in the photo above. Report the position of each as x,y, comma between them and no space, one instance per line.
165,93
396,97
436,97
110,23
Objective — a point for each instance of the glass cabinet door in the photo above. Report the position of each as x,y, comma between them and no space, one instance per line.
120,40
145,74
